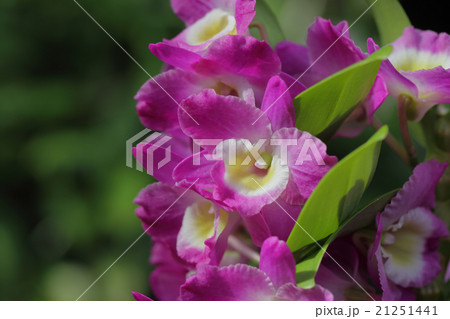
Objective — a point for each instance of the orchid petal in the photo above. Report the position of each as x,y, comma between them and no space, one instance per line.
166,205
417,192
277,262
221,118
307,159
294,293
277,105
236,282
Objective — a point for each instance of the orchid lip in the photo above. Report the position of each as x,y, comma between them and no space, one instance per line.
213,25
411,59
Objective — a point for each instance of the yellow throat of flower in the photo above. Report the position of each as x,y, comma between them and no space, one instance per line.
214,24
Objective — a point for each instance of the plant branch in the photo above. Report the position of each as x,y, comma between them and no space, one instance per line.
262,30
393,143
403,103
243,249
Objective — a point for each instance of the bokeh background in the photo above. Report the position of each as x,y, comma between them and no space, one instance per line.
66,110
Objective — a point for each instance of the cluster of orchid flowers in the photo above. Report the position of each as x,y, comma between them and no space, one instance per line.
219,227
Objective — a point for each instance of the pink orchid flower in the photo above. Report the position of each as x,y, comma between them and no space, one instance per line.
330,49
232,65
254,181
209,20
273,280
418,68
408,235
193,228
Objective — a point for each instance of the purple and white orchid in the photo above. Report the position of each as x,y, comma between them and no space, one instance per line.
273,280
209,20
408,234
282,167
231,66
328,50
419,69
235,174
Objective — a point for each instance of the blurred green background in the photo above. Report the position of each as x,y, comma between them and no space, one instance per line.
67,108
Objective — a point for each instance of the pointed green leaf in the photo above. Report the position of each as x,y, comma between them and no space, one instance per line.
390,18
330,101
332,204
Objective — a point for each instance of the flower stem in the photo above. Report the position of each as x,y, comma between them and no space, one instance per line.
243,249
403,104
393,143
262,30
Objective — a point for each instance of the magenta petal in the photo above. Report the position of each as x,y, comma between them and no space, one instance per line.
294,58
196,168
376,97
160,155
341,51
231,283
294,293
258,229
396,83
423,40
245,12
191,10
166,280
377,240
307,160
277,105
280,220
419,191
175,56
294,85
169,274
221,244
158,202
159,97
277,262
240,55
221,118
140,297
433,86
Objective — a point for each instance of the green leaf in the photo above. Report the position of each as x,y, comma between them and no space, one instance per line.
329,102
390,18
331,205
265,15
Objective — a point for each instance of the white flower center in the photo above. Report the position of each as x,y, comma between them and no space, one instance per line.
215,24
413,60
252,170
403,244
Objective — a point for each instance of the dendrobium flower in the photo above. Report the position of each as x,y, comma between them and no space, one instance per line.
209,20
330,49
189,225
269,158
408,234
233,65
418,69
274,280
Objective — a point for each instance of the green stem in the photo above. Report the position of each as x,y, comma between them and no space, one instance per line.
393,143
262,30
403,103
243,249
